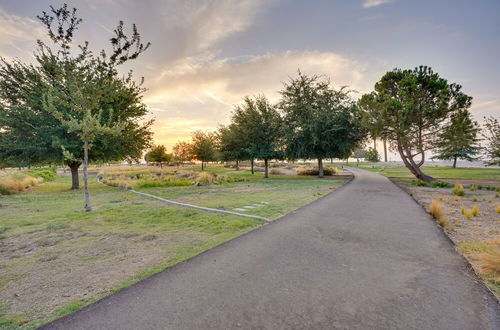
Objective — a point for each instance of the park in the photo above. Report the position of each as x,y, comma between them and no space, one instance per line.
314,206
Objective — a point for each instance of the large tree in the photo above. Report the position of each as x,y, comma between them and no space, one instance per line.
320,122
409,107
233,144
204,147
69,95
492,135
258,128
458,139
158,155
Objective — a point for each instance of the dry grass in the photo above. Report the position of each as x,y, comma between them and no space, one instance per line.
497,208
458,189
475,210
438,212
468,214
490,262
204,179
485,258
14,184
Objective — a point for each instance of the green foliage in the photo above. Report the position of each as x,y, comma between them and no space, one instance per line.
408,107
204,146
47,174
182,151
320,122
68,95
434,184
491,133
315,171
458,138
158,154
458,189
372,155
170,183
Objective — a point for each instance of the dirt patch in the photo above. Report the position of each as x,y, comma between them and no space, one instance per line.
473,236
67,266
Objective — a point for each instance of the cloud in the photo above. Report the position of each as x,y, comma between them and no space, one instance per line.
375,3
206,92
18,35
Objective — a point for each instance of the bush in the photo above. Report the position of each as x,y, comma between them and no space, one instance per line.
372,155
475,210
472,187
468,213
315,171
17,184
47,174
170,183
275,171
458,189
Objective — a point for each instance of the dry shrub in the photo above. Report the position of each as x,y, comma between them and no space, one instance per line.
458,189
204,179
437,211
456,198
468,213
475,210
462,209
315,171
497,208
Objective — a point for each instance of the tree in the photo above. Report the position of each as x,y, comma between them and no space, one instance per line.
458,138
158,155
257,128
204,146
372,155
182,151
359,153
47,106
492,136
320,122
233,143
409,107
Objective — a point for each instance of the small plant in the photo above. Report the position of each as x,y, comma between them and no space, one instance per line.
474,199
475,210
468,214
437,211
204,179
497,207
497,189
472,187
458,189
497,195
456,198
462,209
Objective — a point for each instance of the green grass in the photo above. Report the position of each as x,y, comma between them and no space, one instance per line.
50,247
442,172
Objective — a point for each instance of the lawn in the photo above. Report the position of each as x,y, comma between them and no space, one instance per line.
440,172
55,258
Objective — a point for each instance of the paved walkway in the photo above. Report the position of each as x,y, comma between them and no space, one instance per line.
364,257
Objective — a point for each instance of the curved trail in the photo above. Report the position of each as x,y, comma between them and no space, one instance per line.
363,257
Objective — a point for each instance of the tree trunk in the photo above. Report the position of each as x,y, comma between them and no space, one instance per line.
87,208
455,162
237,165
320,168
266,169
414,169
202,168
347,161
75,180
357,164
385,150
375,143
251,164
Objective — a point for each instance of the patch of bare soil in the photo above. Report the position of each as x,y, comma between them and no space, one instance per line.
67,266
476,237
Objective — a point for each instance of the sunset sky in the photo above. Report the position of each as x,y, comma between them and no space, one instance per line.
206,55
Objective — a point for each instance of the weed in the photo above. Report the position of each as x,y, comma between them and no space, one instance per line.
474,199
475,210
458,189
472,187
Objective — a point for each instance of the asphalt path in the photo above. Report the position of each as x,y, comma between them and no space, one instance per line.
363,257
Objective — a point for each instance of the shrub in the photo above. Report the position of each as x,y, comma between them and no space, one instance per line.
468,213
474,199
17,184
475,210
462,209
315,171
437,211
170,183
275,171
497,209
489,261
472,187
456,198
47,174
458,189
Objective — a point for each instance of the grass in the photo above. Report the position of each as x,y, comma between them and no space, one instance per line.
438,212
57,258
458,189
485,256
441,172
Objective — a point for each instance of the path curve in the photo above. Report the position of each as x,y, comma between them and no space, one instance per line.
363,257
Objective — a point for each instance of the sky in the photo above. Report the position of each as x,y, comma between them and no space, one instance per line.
205,56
